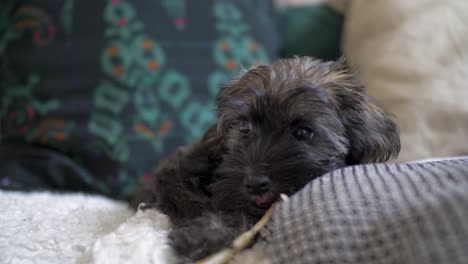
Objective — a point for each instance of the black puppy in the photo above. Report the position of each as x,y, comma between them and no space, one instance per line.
279,126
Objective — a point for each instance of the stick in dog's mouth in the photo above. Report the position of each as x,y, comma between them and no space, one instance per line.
243,240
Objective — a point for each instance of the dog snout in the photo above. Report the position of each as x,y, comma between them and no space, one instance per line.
257,185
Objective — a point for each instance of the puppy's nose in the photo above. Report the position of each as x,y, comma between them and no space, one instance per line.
257,185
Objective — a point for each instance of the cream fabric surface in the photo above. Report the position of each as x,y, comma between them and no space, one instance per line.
413,57
75,228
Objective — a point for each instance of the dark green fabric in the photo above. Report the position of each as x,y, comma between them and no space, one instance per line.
313,30
94,93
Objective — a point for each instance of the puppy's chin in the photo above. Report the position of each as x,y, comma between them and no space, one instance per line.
256,212
257,205
253,206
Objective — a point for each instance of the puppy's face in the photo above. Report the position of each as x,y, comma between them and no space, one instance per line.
285,124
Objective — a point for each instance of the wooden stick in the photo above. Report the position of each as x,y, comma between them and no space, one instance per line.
242,241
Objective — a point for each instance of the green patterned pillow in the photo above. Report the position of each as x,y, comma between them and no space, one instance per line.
94,93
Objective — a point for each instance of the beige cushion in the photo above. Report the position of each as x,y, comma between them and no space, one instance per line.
413,57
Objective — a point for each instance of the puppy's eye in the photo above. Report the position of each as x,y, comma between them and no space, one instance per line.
303,133
244,126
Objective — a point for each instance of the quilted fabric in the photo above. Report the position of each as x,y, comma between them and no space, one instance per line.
380,213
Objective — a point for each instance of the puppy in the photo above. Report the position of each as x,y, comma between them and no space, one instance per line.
279,126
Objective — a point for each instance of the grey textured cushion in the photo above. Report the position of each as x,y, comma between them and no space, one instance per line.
379,213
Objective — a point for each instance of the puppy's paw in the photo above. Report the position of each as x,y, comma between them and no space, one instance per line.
202,236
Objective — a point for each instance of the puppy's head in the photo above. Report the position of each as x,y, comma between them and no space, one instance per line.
285,124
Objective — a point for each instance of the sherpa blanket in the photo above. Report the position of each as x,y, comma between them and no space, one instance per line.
76,228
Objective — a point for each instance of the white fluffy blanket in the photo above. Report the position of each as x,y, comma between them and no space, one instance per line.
75,228
413,57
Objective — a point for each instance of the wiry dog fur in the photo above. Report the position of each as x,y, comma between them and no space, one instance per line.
279,126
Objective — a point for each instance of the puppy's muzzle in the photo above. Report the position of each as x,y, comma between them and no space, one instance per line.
257,185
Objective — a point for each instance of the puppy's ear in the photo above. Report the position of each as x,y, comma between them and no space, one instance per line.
372,134
236,96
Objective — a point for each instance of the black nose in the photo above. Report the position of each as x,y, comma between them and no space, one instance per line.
257,185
